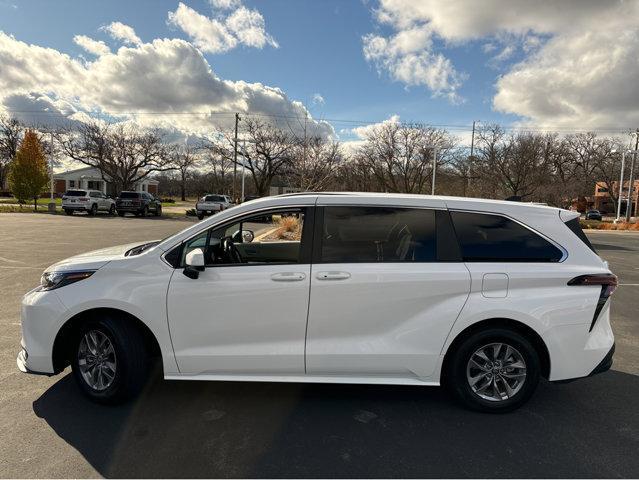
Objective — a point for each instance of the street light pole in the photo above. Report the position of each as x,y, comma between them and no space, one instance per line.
432,189
243,160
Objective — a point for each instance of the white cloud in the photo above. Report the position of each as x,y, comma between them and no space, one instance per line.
225,4
92,46
579,56
122,32
363,131
318,99
217,35
177,78
207,34
249,28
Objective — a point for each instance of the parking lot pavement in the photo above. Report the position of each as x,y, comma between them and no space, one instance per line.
589,428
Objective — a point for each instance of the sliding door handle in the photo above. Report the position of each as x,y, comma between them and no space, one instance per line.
333,275
288,277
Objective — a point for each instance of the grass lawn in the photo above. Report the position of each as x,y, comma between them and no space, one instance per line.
41,201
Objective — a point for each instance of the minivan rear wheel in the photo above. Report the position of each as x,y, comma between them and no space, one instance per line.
494,370
110,360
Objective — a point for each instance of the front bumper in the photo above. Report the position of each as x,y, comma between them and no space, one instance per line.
42,316
605,364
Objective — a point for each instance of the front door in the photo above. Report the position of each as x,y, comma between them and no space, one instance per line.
383,297
246,313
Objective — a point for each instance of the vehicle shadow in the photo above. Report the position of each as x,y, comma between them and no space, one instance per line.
584,429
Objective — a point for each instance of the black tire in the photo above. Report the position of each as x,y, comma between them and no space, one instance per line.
68,211
455,373
200,216
94,210
120,213
112,210
158,211
145,211
132,360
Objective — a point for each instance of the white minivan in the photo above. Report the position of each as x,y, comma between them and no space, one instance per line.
484,297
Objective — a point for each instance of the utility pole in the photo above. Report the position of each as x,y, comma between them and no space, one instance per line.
472,151
432,189
632,179
237,121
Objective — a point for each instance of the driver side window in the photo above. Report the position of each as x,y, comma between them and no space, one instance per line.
266,238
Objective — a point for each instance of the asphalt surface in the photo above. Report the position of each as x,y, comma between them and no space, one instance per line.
588,428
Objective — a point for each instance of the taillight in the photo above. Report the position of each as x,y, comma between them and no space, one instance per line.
608,283
83,199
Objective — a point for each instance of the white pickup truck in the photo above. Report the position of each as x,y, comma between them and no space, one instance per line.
212,203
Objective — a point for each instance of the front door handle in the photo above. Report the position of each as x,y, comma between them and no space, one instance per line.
288,277
333,275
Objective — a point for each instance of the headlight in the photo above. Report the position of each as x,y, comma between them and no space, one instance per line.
52,280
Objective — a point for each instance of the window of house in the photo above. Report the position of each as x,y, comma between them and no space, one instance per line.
71,183
378,234
265,238
494,238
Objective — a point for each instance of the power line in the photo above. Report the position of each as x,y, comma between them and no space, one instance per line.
449,126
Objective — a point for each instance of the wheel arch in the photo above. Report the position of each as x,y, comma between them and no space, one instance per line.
526,331
61,355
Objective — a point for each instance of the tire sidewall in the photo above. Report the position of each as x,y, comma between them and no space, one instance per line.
456,376
114,392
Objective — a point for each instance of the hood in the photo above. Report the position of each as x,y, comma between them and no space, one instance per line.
93,260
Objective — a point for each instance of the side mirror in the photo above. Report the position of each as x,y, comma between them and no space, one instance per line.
245,236
248,236
194,263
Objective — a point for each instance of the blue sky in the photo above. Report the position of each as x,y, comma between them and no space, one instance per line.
321,51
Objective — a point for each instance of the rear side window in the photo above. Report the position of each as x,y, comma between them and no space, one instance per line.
76,193
575,228
378,234
129,195
493,238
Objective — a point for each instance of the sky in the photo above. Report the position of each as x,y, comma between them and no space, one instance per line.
568,65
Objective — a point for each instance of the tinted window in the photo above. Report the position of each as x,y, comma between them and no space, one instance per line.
94,194
493,238
575,228
214,198
378,234
129,195
76,193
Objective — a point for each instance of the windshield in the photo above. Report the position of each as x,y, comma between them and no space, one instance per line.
129,195
76,193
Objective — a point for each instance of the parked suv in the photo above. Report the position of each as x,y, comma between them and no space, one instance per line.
90,201
210,204
138,203
484,297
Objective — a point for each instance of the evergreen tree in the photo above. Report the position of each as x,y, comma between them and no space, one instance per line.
28,175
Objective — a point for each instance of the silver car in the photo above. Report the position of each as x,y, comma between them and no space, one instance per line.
90,201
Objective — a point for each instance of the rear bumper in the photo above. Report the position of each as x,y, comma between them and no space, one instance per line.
129,208
75,207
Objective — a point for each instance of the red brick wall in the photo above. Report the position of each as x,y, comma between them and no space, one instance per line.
60,186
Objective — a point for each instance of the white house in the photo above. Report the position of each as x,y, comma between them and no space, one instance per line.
91,178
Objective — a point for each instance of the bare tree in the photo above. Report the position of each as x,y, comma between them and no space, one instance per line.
268,152
219,158
314,163
11,133
184,158
124,154
401,156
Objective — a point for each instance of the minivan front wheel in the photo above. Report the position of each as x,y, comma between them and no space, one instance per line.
494,370
110,360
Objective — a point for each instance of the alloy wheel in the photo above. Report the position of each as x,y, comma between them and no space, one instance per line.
97,360
496,372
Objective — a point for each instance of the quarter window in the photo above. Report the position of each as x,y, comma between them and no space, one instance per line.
494,238
378,234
